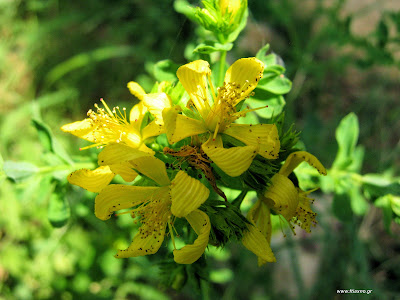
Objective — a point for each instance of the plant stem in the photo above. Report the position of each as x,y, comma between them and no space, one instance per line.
221,68
295,267
51,169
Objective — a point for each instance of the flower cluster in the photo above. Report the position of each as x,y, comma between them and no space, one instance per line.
182,178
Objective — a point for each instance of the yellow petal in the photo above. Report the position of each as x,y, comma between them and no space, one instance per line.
146,149
81,129
152,129
186,127
245,73
155,103
193,77
263,136
187,194
143,244
260,216
233,161
92,180
284,196
169,117
119,196
136,90
152,168
179,127
136,115
118,153
200,222
255,241
125,170
295,158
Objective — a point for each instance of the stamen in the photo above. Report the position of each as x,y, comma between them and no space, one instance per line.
214,96
172,234
246,111
216,131
106,106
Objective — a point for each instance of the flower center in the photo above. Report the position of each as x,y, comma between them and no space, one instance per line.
112,126
154,213
223,112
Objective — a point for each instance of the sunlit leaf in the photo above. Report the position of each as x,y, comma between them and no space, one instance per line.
347,137
58,211
18,171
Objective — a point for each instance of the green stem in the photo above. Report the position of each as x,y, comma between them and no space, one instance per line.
221,68
73,167
205,289
295,267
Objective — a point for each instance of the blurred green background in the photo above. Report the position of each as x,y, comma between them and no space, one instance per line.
57,58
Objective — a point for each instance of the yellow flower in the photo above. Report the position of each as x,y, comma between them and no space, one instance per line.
157,207
114,159
286,199
214,115
108,127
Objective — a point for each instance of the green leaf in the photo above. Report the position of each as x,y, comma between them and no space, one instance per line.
45,135
210,47
82,59
19,171
382,33
261,53
385,203
279,85
49,142
347,137
395,203
377,185
183,7
357,159
58,212
262,98
165,70
221,276
358,203
341,207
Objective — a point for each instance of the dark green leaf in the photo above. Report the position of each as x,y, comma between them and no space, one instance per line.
18,171
49,142
382,33
341,207
385,203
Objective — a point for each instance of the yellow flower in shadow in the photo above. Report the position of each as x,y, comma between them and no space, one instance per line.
285,199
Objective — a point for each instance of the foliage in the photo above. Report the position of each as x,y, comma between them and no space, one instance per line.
53,53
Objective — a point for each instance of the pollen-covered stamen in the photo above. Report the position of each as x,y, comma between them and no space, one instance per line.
153,214
201,100
111,126
305,217
213,94
243,113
